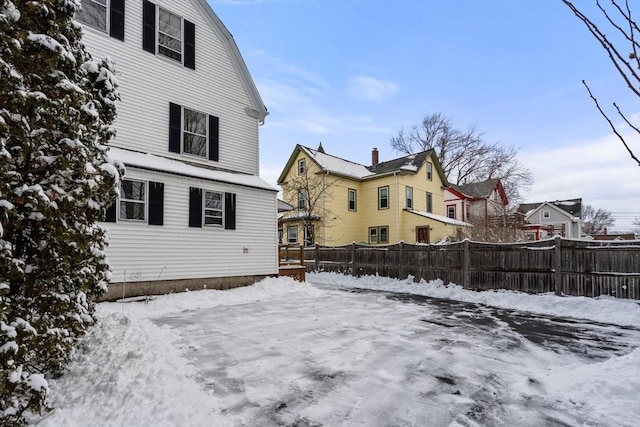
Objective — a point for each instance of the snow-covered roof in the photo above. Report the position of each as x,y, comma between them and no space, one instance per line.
572,207
177,167
441,218
336,164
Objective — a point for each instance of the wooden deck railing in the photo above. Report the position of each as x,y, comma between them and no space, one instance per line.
291,262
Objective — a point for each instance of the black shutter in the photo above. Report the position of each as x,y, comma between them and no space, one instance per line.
110,213
213,138
195,207
175,116
189,45
229,211
156,203
149,26
116,26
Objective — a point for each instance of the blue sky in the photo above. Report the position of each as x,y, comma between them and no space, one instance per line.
352,73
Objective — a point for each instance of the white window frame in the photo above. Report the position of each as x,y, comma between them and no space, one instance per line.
352,192
302,167
97,3
183,132
209,212
144,203
302,198
454,211
292,234
381,198
373,235
308,240
409,194
158,32
376,233
429,171
546,214
380,234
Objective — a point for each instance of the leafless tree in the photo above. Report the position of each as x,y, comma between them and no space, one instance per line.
310,194
636,227
595,221
625,57
464,155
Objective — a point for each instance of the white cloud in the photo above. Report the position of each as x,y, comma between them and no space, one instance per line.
371,88
600,171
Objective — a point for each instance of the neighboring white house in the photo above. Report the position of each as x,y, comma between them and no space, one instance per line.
192,211
560,218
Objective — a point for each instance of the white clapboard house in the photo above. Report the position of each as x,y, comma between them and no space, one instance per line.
192,212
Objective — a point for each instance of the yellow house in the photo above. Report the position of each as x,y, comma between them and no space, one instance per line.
337,202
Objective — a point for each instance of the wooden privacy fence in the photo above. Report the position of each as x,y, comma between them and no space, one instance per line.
563,266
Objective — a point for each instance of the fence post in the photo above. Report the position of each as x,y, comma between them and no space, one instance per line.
557,264
465,265
354,268
400,260
316,256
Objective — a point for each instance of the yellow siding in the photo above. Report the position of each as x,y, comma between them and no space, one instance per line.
341,226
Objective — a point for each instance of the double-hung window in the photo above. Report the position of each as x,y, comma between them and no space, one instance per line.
193,132
133,199
302,198
409,197
292,234
103,15
429,202
383,197
352,200
429,171
212,208
168,34
139,201
451,211
302,168
213,212
379,234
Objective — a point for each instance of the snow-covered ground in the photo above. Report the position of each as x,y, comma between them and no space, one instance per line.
309,354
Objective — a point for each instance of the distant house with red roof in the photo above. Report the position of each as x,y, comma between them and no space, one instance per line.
476,201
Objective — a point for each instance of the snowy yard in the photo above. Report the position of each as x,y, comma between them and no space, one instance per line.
324,353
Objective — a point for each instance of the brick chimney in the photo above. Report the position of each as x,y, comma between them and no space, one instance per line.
374,157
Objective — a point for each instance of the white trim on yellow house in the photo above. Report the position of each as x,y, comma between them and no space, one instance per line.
341,226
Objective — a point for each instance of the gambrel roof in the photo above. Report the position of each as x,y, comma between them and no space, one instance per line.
338,166
259,111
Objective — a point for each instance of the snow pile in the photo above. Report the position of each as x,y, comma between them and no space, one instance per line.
602,309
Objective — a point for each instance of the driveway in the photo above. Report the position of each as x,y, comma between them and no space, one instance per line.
368,358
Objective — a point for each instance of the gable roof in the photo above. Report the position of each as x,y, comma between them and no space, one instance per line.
481,190
346,168
259,111
572,207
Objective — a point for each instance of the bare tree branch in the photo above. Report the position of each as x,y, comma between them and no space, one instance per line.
464,155
613,128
